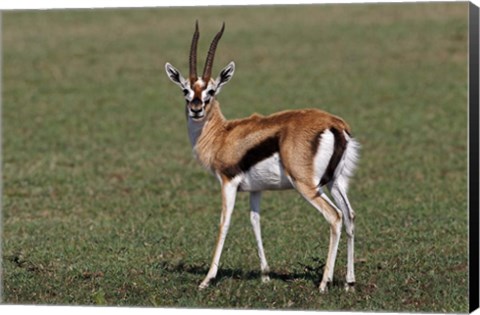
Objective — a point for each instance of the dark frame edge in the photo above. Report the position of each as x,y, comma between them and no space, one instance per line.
474,236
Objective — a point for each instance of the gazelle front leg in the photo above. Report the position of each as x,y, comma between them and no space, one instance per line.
229,192
255,220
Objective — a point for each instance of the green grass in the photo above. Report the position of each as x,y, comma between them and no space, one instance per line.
104,205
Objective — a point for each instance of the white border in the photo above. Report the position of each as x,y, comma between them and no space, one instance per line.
71,4
91,310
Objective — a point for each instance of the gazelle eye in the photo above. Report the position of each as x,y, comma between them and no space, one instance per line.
211,92
185,92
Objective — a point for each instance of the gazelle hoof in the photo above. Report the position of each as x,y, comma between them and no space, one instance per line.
323,288
350,287
203,285
265,279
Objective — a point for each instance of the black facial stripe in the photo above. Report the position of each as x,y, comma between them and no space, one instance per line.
340,144
254,155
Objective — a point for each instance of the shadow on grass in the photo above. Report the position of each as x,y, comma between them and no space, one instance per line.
311,272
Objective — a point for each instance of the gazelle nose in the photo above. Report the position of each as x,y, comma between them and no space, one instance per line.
196,101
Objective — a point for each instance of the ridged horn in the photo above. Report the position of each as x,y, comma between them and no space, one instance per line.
207,71
193,55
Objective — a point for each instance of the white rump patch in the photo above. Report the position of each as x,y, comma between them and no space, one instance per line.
324,153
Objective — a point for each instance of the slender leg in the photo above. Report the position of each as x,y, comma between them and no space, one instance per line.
229,192
334,206
255,220
340,197
334,218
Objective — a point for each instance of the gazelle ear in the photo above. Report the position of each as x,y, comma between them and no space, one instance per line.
175,75
224,76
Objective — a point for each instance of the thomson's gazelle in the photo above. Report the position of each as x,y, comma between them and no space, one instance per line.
302,149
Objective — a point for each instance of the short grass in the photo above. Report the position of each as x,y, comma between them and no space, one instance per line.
103,203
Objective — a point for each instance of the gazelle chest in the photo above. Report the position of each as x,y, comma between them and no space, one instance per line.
267,174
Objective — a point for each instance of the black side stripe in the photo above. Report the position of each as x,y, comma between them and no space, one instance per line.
254,155
340,144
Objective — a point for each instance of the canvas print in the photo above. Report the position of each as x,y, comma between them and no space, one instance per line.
300,157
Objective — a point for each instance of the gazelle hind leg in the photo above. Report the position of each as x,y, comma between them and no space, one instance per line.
340,196
319,200
255,220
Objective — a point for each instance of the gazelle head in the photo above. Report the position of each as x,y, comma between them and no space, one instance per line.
199,91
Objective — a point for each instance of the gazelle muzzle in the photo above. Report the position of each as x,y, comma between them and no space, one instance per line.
196,109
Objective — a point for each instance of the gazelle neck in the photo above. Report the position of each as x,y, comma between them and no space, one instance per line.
214,118
194,130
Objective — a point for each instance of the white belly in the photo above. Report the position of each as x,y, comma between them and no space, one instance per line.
265,175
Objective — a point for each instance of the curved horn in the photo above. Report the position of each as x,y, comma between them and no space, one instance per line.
207,71
193,55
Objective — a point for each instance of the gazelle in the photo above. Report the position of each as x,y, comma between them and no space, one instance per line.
301,149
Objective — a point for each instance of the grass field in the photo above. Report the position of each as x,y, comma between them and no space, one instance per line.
103,203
